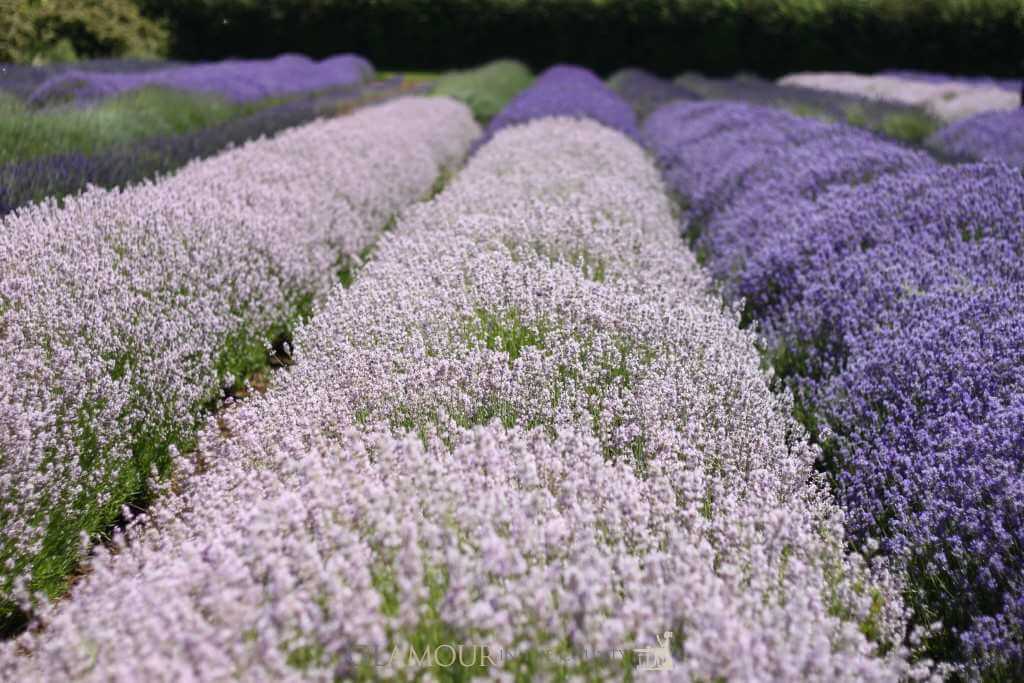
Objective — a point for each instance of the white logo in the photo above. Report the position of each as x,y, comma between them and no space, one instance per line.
657,658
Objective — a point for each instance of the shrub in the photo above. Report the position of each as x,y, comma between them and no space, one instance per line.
61,30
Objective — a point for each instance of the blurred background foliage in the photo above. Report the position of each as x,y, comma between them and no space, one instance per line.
43,31
767,37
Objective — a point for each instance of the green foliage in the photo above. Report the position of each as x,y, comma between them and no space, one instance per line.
488,88
506,332
909,127
807,111
63,30
25,133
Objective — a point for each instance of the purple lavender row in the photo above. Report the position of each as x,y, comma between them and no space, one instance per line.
994,136
237,80
904,299
564,90
890,292
60,175
21,80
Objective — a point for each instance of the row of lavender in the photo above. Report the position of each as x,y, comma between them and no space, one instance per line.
306,90
237,80
890,110
21,80
985,116
123,313
949,99
529,426
890,291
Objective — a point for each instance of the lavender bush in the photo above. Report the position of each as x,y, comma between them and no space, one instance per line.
124,312
237,80
566,91
994,136
889,290
529,425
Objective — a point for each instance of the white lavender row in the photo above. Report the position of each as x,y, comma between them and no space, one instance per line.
633,475
949,101
124,311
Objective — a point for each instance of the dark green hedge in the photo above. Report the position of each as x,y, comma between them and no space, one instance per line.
770,37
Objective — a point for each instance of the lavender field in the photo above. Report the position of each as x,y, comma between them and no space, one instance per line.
360,375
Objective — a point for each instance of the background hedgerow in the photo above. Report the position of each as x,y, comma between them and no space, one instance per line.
528,424
773,37
888,290
169,292
485,89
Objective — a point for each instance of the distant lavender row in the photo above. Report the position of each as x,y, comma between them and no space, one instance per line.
565,90
593,458
237,80
1012,85
62,174
645,92
889,289
124,311
893,119
22,80
949,101
994,136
